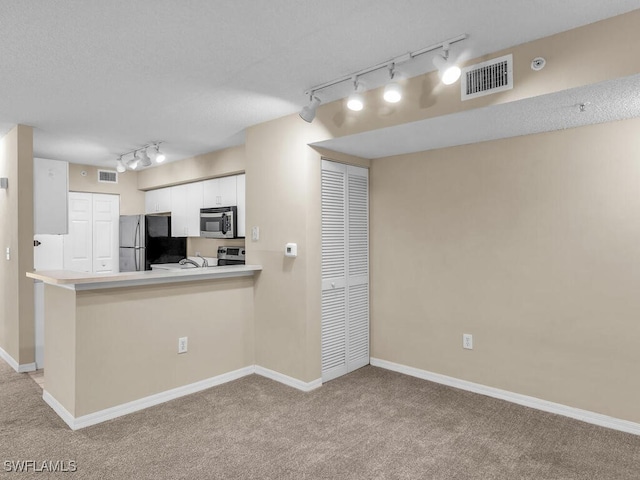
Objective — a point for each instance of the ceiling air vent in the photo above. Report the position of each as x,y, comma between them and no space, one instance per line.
488,77
107,176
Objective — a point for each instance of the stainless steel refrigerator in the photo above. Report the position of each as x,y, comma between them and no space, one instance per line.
146,240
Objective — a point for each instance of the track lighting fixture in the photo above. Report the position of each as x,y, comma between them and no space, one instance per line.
120,166
448,72
158,156
140,158
134,162
308,112
392,91
355,101
144,161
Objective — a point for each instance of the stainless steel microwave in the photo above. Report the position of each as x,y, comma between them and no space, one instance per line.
220,222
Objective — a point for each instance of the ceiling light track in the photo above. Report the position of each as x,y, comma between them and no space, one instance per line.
397,60
392,93
140,157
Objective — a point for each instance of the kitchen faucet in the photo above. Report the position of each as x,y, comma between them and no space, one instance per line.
204,260
188,260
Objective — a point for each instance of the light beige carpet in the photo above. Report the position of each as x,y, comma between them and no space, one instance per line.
371,424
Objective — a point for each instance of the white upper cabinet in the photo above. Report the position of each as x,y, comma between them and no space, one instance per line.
220,192
158,201
186,202
241,205
50,191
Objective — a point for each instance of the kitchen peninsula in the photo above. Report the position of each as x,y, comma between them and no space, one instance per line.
111,340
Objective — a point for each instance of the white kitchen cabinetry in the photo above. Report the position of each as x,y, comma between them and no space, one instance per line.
186,202
158,201
241,205
220,192
50,190
92,244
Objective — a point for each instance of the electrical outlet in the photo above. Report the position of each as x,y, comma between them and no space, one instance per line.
467,341
182,345
8,253
255,234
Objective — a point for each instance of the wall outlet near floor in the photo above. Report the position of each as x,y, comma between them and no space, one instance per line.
182,345
467,341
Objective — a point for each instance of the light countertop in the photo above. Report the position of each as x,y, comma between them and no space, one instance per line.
94,281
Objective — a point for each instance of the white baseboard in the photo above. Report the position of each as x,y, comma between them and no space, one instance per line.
290,381
25,367
532,402
146,402
142,403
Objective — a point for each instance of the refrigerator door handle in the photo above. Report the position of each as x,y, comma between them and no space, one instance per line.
136,236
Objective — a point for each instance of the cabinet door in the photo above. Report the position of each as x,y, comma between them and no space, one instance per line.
220,192
241,205
227,191
210,189
158,201
50,194
164,199
151,201
194,204
179,211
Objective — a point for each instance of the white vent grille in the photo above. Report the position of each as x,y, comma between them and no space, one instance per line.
488,77
107,176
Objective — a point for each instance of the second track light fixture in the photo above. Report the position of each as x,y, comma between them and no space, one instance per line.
393,90
140,158
448,72
355,101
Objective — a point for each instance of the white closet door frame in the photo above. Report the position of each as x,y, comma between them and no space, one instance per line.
345,294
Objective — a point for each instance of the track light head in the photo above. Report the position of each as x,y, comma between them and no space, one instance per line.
393,90
134,162
448,72
120,166
157,156
145,161
355,101
308,112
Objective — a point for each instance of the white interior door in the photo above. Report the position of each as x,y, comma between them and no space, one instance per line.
345,269
78,246
106,223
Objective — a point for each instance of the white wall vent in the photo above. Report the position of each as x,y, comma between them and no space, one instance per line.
107,176
488,77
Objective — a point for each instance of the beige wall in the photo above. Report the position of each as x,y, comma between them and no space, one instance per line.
131,199
126,339
229,161
531,244
16,217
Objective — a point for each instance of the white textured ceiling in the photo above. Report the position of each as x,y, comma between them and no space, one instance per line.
96,79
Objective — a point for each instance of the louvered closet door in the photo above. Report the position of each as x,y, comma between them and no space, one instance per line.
357,267
345,269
